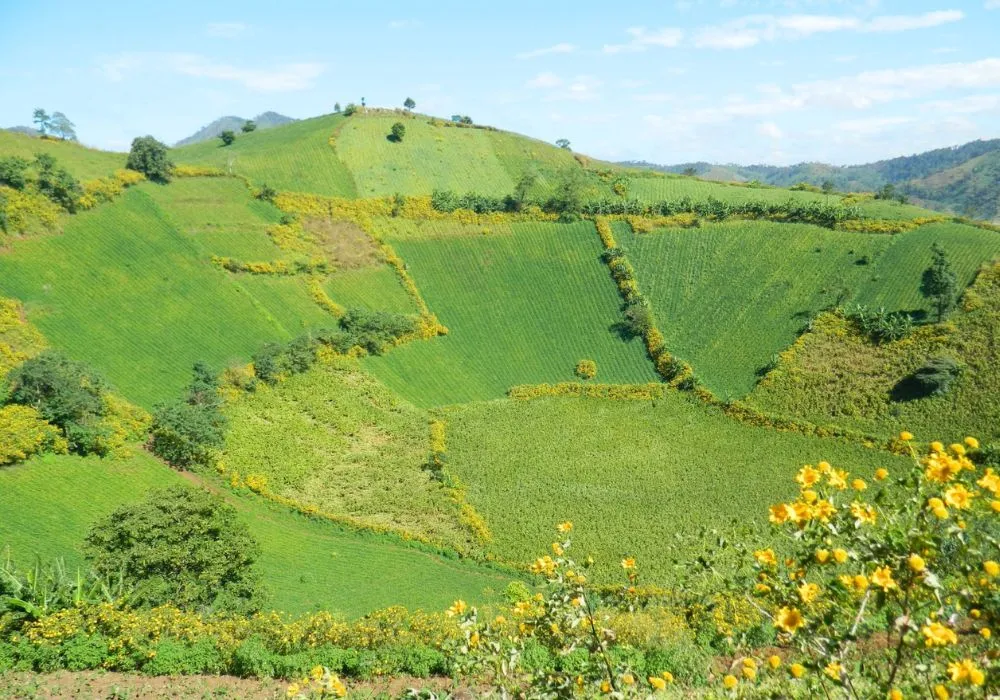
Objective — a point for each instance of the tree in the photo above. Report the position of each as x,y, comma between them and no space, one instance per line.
57,183
689,172
827,187
568,196
397,132
336,108
41,118
409,103
248,126
563,143
182,546
266,193
227,137
523,187
62,127
940,283
350,109
187,433
362,102
12,172
149,157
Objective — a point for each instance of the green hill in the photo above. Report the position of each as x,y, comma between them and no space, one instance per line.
82,162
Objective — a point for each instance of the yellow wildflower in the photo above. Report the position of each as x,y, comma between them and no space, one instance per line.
822,555
881,474
823,467
628,679
774,661
958,496
859,485
605,686
990,482
729,682
940,692
972,443
457,608
788,619
985,633
628,563
293,690
864,513
936,634
657,683
808,592
895,694
779,513
565,527
991,568
833,670
840,556
824,510
965,671
765,557
883,578
807,476
667,676
937,446
917,563
557,549
837,478
957,448
995,505
577,602
316,673
797,670
809,496
906,436
750,673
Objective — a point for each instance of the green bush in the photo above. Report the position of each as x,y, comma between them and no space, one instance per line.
937,376
13,172
881,326
187,433
7,657
252,659
84,651
149,157
173,657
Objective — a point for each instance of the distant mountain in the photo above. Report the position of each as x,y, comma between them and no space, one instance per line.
24,130
264,121
961,179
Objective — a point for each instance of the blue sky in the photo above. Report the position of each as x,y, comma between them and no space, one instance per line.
777,81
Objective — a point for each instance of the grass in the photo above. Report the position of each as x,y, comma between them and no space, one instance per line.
834,376
730,295
307,564
521,309
82,162
629,474
296,157
124,290
337,439
374,288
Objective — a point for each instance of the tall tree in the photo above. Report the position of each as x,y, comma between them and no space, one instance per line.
149,157
940,283
409,103
41,118
563,143
62,127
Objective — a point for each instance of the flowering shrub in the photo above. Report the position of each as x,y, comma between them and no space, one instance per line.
23,433
25,211
323,299
616,392
105,189
889,226
19,340
586,369
197,171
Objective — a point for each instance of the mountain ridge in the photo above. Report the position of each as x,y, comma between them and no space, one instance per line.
264,120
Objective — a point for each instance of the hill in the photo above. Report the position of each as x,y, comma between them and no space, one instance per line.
960,179
264,120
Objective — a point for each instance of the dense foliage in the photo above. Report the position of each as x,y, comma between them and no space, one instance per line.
189,432
180,546
149,157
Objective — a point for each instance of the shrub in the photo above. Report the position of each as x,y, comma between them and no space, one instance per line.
266,193
937,375
149,157
57,183
586,369
180,545
397,132
880,325
375,331
189,432
23,433
13,172
248,126
227,137
350,109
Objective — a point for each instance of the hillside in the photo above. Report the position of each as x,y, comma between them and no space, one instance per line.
264,120
962,179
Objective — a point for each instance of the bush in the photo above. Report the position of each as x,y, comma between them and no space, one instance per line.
149,157
23,433
187,433
57,183
266,193
248,126
173,657
881,326
350,109
227,137
84,651
586,369
376,331
397,132
180,545
13,172
937,375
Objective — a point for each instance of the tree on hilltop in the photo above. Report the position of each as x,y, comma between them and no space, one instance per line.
227,137
248,126
41,119
563,143
336,108
149,157
62,127
940,283
409,103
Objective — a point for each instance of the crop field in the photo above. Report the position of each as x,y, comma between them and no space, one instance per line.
518,153
82,162
428,157
629,474
337,439
376,288
297,157
895,283
728,296
122,289
306,564
521,309
221,215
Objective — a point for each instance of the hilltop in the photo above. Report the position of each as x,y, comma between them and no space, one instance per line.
264,120
960,179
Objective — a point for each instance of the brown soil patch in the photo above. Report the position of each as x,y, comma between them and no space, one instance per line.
344,243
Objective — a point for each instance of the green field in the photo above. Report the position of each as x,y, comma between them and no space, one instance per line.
629,474
294,157
521,309
48,503
730,295
375,288
337,439
82,162
126,291
895,282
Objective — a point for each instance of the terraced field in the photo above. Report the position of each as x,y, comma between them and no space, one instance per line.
629,474
307,564
297,157
124,290
375,288
521,308
728,296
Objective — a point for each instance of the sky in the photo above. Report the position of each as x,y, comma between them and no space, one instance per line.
668,81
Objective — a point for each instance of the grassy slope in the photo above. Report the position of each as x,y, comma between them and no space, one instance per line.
307,564
629,474
296,157
376,288
123,289
833,376
521,308
84,163
729,296
337,439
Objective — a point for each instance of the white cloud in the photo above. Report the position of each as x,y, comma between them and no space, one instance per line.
225,30
557,48
283,78
903,23
642,39
871,126
770,130
965,105
992,5
583,88
545,80
745,32
405,24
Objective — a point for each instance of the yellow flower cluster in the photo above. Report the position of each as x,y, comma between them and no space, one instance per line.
23,432
616,392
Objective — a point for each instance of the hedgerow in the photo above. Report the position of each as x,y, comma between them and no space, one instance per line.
437,463
276,267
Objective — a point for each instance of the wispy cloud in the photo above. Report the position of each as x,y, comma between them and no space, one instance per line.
226,30
643,39
992,4
544,81
283,78
745,32
965,105
871,126
557,48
